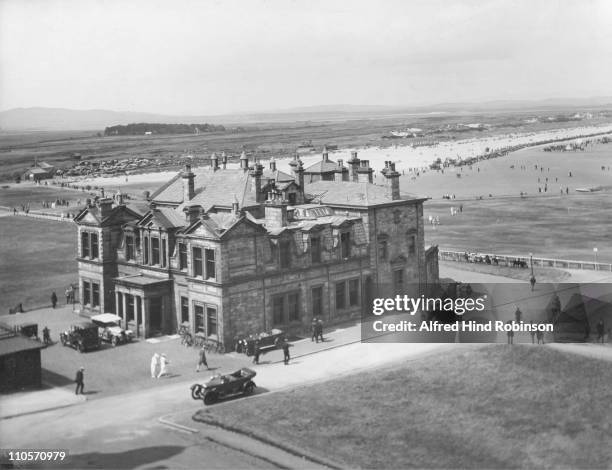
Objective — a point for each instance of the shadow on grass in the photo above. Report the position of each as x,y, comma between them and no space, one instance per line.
128,459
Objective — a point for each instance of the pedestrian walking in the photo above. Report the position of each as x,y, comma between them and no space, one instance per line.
540,336
313,329
154,365
46,336
54,299
287,357
163,366
202,359
532,333
256,353
320,329
80,384
600,331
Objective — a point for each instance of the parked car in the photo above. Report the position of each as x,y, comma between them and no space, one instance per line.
109,329
222,386
268,339
81,336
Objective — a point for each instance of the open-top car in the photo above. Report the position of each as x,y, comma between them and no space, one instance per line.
222,386
267,339
81,336
109,329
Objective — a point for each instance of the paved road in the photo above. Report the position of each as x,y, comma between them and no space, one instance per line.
126,427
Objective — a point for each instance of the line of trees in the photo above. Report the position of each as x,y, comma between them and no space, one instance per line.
143,128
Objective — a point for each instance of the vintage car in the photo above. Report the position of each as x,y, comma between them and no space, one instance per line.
222,386
109,329
81,336
268,339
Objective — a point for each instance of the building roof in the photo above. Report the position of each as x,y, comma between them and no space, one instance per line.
17,344
212,188
347,193
322,166
277,175
39,171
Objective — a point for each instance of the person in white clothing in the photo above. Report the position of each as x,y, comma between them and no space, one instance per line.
154,364
163,370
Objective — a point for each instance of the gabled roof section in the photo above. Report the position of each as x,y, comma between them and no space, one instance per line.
277,175
118,215
348,193
162,217
322,166
212,188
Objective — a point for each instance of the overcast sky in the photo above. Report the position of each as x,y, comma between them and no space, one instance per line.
214,57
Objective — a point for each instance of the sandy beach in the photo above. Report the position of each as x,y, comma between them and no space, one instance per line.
405,157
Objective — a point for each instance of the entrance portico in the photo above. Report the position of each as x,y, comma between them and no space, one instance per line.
145,304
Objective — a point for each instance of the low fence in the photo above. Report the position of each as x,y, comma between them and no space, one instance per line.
510,260
62,217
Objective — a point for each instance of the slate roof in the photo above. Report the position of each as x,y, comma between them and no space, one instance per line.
212,188
322,166
277,175
125,212
351,193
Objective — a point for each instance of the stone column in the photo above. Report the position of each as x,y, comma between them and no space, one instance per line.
137,309
145,316
124,307
118,309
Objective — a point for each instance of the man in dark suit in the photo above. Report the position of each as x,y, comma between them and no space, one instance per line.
79,381
286,352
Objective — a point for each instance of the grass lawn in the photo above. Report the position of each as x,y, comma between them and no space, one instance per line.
541,274
490,407
37,257
555,227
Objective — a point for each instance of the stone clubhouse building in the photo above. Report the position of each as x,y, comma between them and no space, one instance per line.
227,252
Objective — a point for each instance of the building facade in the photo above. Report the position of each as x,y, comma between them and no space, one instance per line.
227,252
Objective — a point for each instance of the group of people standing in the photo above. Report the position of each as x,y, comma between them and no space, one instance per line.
159,366
316,328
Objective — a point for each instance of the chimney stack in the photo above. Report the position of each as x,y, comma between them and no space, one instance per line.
106,206
244,161
191,214
339,175
354,166
235,206
391,181
188,183
255,174
275,211
272,164
364,172
119,198
325,154
224,160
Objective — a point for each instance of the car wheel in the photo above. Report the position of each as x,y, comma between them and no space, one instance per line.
249,388
210,398
114,341
196,392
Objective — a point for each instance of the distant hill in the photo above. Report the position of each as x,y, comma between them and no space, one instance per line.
98,119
